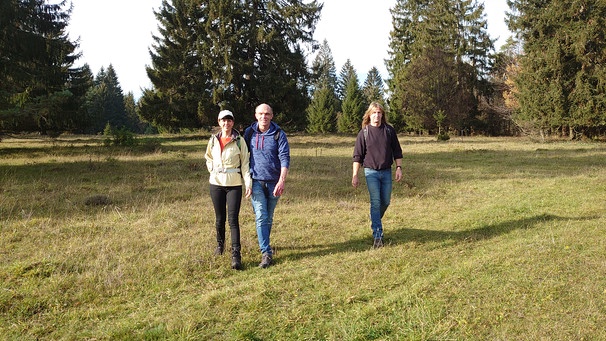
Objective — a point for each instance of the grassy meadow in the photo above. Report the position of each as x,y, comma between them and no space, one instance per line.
486,239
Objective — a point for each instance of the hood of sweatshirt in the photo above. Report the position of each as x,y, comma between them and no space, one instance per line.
260,137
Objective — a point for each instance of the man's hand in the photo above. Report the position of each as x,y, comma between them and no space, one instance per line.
398,174
279,189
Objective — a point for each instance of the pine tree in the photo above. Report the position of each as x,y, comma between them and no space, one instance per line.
105,103
373,88
230,54
452,29
353,103
35,65
324,71
181,96
322,111
561,81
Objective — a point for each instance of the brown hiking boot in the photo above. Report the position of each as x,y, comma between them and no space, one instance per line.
266,261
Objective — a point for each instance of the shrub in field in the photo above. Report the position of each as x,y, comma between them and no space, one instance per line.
443,136
120,137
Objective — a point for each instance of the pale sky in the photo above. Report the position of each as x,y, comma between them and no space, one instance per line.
355,29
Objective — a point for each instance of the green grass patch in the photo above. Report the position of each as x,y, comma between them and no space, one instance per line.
486,238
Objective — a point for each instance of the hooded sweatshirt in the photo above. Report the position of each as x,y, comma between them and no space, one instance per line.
269,152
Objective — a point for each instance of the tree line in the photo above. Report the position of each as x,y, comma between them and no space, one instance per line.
444,75
41,90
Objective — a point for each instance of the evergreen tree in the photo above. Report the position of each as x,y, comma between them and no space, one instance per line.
434,79
347,72
324,71
322,111
133,122
105,103
353,103
561,81
231,54
181,96
80,82
373,88
36,57
453,29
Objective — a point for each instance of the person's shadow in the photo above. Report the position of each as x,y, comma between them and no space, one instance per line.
404,235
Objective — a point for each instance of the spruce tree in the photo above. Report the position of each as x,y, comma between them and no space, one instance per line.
561,81
35,65
133,122
80,82
322,111
181,96
324,71
105,103
347,72
451,29
235,55
374,88
353,103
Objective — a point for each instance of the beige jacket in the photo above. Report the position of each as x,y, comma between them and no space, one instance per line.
223,166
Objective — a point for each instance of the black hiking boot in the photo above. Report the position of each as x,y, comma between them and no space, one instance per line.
236,258
219,249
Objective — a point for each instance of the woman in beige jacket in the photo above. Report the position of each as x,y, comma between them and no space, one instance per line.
227,160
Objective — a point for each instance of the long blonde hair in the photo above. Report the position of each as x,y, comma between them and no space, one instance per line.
369,111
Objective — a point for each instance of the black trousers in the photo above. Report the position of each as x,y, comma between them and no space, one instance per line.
227,201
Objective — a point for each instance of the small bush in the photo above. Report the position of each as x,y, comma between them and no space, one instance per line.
119,137
124,137
443,137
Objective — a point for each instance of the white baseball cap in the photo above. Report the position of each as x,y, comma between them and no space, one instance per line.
226,113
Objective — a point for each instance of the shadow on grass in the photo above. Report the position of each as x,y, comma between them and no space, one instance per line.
407,235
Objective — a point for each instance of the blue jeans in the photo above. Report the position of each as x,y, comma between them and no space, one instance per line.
379,188
264,203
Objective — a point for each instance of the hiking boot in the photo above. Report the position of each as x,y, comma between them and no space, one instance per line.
236,258
377,243
266,260
219,249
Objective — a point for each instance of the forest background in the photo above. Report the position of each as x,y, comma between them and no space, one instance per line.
444,76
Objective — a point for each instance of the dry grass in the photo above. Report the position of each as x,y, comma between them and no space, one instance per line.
487,238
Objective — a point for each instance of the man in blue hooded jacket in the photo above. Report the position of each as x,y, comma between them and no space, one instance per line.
269,162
